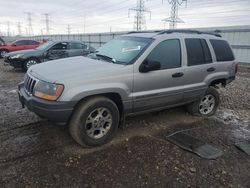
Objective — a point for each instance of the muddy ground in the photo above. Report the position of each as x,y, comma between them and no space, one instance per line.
37,153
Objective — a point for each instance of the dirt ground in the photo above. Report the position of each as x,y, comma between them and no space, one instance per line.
37,153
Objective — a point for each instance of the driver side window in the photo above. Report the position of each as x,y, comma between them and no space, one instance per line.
167,53
59,46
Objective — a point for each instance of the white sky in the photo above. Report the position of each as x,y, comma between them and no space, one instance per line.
101,15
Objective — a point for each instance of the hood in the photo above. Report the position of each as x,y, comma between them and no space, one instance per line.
67,69
26,53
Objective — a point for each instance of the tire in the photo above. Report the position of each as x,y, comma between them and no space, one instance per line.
29,62
88,133
3,52
208,104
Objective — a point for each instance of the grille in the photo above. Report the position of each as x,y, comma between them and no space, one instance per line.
29,84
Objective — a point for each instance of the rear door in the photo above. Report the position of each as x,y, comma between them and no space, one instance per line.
199,65
75,49
160,88
32,44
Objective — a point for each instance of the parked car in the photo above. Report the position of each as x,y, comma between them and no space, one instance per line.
24,44
50,50
136,73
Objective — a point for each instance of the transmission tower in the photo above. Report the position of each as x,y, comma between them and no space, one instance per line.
8,28
47,21
29,19
68,29
140,21
174,19
19,30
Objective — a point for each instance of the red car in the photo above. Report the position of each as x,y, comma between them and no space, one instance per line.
24,44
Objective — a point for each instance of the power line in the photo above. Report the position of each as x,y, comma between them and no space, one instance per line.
140,21
174,19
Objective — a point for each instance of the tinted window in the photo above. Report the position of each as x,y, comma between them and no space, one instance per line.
168,53
222,50
75,46
59,46
197,51
22,42
32,42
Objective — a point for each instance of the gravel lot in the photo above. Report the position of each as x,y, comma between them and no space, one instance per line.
37,153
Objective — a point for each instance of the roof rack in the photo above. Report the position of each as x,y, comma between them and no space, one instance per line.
188,31
155,31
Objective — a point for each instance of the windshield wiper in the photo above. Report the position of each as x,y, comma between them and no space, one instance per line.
106,57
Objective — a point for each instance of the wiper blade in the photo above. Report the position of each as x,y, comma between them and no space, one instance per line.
106,57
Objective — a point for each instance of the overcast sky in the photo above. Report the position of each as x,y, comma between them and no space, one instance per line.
103,15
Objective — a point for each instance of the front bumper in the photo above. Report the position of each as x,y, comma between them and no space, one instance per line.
17,63
55,111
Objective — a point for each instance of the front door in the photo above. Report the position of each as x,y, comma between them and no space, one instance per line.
160,88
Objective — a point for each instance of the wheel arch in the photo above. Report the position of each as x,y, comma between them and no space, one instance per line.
222,81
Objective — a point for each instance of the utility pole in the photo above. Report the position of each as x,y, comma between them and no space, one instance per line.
47,21
29,19
68,30
174,19
140,21
19,30
84,23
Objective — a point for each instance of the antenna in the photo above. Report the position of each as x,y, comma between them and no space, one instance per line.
174,19
140,21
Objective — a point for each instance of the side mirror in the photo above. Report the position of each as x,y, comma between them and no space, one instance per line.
147,66
13,44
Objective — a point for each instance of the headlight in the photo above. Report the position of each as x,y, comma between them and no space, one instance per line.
16,56
48,91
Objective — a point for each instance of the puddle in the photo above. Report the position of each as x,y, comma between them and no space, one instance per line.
241,128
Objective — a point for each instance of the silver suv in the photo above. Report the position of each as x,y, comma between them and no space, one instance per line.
136,73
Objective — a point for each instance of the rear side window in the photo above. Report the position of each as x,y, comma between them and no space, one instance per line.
222,50
32,42
75,46
168,53
197,51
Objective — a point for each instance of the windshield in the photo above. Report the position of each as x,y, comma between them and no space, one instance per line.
45,45
123,50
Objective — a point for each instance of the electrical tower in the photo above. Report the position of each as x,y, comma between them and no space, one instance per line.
29,19
19,30
68,29
174,19
8,28
47,21
140,21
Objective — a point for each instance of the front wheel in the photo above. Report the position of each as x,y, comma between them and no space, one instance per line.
208,104
29,62
3,53
94,121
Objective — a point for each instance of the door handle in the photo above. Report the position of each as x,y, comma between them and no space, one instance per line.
211,69
178,74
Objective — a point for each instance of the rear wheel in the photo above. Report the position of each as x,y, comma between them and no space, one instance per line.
29,62
3,53
207,106
94,122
